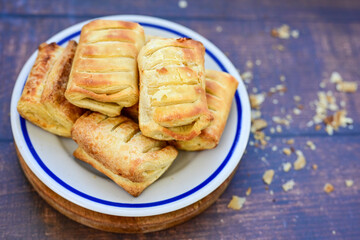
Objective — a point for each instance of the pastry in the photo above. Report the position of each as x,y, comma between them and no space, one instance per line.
42,101
116,147
220,90
172,103
104,76
132,112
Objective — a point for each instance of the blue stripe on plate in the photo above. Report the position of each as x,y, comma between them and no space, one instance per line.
139,205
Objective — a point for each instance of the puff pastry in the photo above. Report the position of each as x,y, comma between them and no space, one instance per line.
104,76
220,90
42,101
132,112
116,147
172,103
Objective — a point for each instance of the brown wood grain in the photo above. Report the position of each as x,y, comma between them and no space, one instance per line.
329,41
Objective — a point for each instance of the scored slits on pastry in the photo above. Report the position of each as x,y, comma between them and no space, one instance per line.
174,75
176,56
109,49
220,89
116,147
173,86
105,68
214,92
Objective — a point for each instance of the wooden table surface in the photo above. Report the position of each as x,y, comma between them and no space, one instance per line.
329,41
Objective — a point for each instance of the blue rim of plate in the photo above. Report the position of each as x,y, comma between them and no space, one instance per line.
139,205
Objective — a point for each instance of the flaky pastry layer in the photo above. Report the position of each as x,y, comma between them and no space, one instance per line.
172,101
104,76
220,90
116,147
42,101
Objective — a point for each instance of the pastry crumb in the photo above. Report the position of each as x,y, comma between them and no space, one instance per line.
182,4
342,103
281,121
286,166
219,29
297,98
300,161
329,129
272,130
279,47
315,166
290,141
349,87
310,123
288,185
268,176
349,183
260,136
236,202
297,111
249,64
335,77
339,119
248,191
328,188
311,145
255,114
247,76
258,124
295,33
256,100
287,151
282,32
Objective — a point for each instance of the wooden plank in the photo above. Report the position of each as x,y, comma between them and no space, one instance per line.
305,62
329,33
304,212
202,9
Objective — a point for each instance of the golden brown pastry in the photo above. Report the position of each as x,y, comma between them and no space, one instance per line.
172,101
116,147
104,76
132,112
42,101
220,90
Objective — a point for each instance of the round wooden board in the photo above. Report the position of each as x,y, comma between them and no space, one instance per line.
120,224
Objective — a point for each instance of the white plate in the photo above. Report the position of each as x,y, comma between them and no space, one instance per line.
192,176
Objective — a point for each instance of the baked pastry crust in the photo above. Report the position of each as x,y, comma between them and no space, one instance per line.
220,90
42,101
132,112
172,101
116,147
104,76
